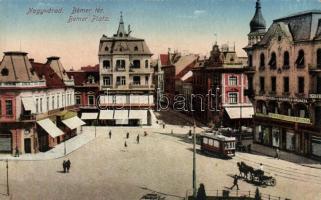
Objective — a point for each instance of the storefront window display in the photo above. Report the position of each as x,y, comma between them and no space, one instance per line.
266,135
290,141
275,137
316,146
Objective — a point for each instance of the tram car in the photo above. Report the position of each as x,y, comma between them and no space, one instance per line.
220,145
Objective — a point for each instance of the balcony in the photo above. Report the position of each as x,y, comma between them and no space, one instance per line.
262,68
120,69
286,67
139,86
285,118
140,70
272,93
315,69
301,95
27,117
261,92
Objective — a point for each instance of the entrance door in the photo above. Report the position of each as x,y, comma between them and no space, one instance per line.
27,145
5,141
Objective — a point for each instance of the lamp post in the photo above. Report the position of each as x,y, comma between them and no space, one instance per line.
194,160
7,166
65,151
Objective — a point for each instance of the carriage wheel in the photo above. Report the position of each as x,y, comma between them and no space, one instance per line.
272,182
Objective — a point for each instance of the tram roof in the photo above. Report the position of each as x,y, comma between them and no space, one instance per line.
218,137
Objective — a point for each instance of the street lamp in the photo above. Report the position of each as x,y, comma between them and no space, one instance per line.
65,146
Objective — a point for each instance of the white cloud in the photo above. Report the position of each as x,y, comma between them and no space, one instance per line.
196,14
199,12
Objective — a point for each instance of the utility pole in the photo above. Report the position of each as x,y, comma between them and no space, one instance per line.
7,166
65,151
194,161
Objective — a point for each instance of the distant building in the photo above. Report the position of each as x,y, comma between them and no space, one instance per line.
177,70
86,91
285,71
125,79
218,87
35,101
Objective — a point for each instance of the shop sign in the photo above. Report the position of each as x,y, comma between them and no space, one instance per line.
285,118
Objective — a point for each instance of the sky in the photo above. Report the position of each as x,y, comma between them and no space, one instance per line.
190,26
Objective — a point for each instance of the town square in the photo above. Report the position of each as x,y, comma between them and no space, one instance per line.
161,100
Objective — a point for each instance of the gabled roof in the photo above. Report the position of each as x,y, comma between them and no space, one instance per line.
184,62
15,67
55,64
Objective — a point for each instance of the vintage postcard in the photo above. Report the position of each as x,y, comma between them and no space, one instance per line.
160,99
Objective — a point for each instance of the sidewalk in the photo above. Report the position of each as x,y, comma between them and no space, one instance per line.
291,157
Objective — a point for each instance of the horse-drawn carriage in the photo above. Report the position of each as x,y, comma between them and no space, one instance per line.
255,175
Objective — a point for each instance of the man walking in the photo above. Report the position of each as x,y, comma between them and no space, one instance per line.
137,139
68,164
125,145
109,134
127,135
277,153
64,166
235,182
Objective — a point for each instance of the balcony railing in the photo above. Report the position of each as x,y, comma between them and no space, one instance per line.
23,84
26,117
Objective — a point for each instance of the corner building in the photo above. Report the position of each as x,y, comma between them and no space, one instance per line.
125,79
284,70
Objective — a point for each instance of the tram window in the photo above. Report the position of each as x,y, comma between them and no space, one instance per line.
216,143
210,142
205,140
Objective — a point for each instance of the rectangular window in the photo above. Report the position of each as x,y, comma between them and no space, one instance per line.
121,80
232,98
273,84
285,84
9,107
120,64
53,102
106,64
262,84
37,105
58,103
48,104
300,85
232,80
146,80
91,100
136,80
78,100
40,105
107,80
136,64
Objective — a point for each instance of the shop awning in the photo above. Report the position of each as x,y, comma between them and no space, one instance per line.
106,114
50,127
73,122
138,114
86,116
121,114
237,112
29,104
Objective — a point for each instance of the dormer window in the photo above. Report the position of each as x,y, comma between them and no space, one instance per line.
4,72
120,49
300,60
106,49
120,34
146,63
262,60
135,48
91,79
272,62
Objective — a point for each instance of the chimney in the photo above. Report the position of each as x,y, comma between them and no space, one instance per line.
52,58
31,60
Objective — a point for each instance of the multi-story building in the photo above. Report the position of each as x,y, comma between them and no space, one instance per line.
86,91
35,99
285,66
218,88
125,79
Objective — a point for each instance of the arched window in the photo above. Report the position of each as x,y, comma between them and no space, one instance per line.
106,48
286,109
135,48
272,62
319,58
301,111
106,64
300,60
286,60
262,60
273,107
4,72
146,63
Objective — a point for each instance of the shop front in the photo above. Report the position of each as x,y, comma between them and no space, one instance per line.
316,146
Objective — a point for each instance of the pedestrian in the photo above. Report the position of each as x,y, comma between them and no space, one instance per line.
145,133
68,164
163,125
261,167
109,134
172,131
235,182
17,152
277,153
137,139
125,145
127,135
201,194
64,166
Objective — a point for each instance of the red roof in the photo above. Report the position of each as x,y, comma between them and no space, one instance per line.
90,68
164,59
52,79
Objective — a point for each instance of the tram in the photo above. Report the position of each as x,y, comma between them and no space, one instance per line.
218,145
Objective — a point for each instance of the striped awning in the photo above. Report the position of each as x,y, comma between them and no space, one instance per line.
73,122
50,127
